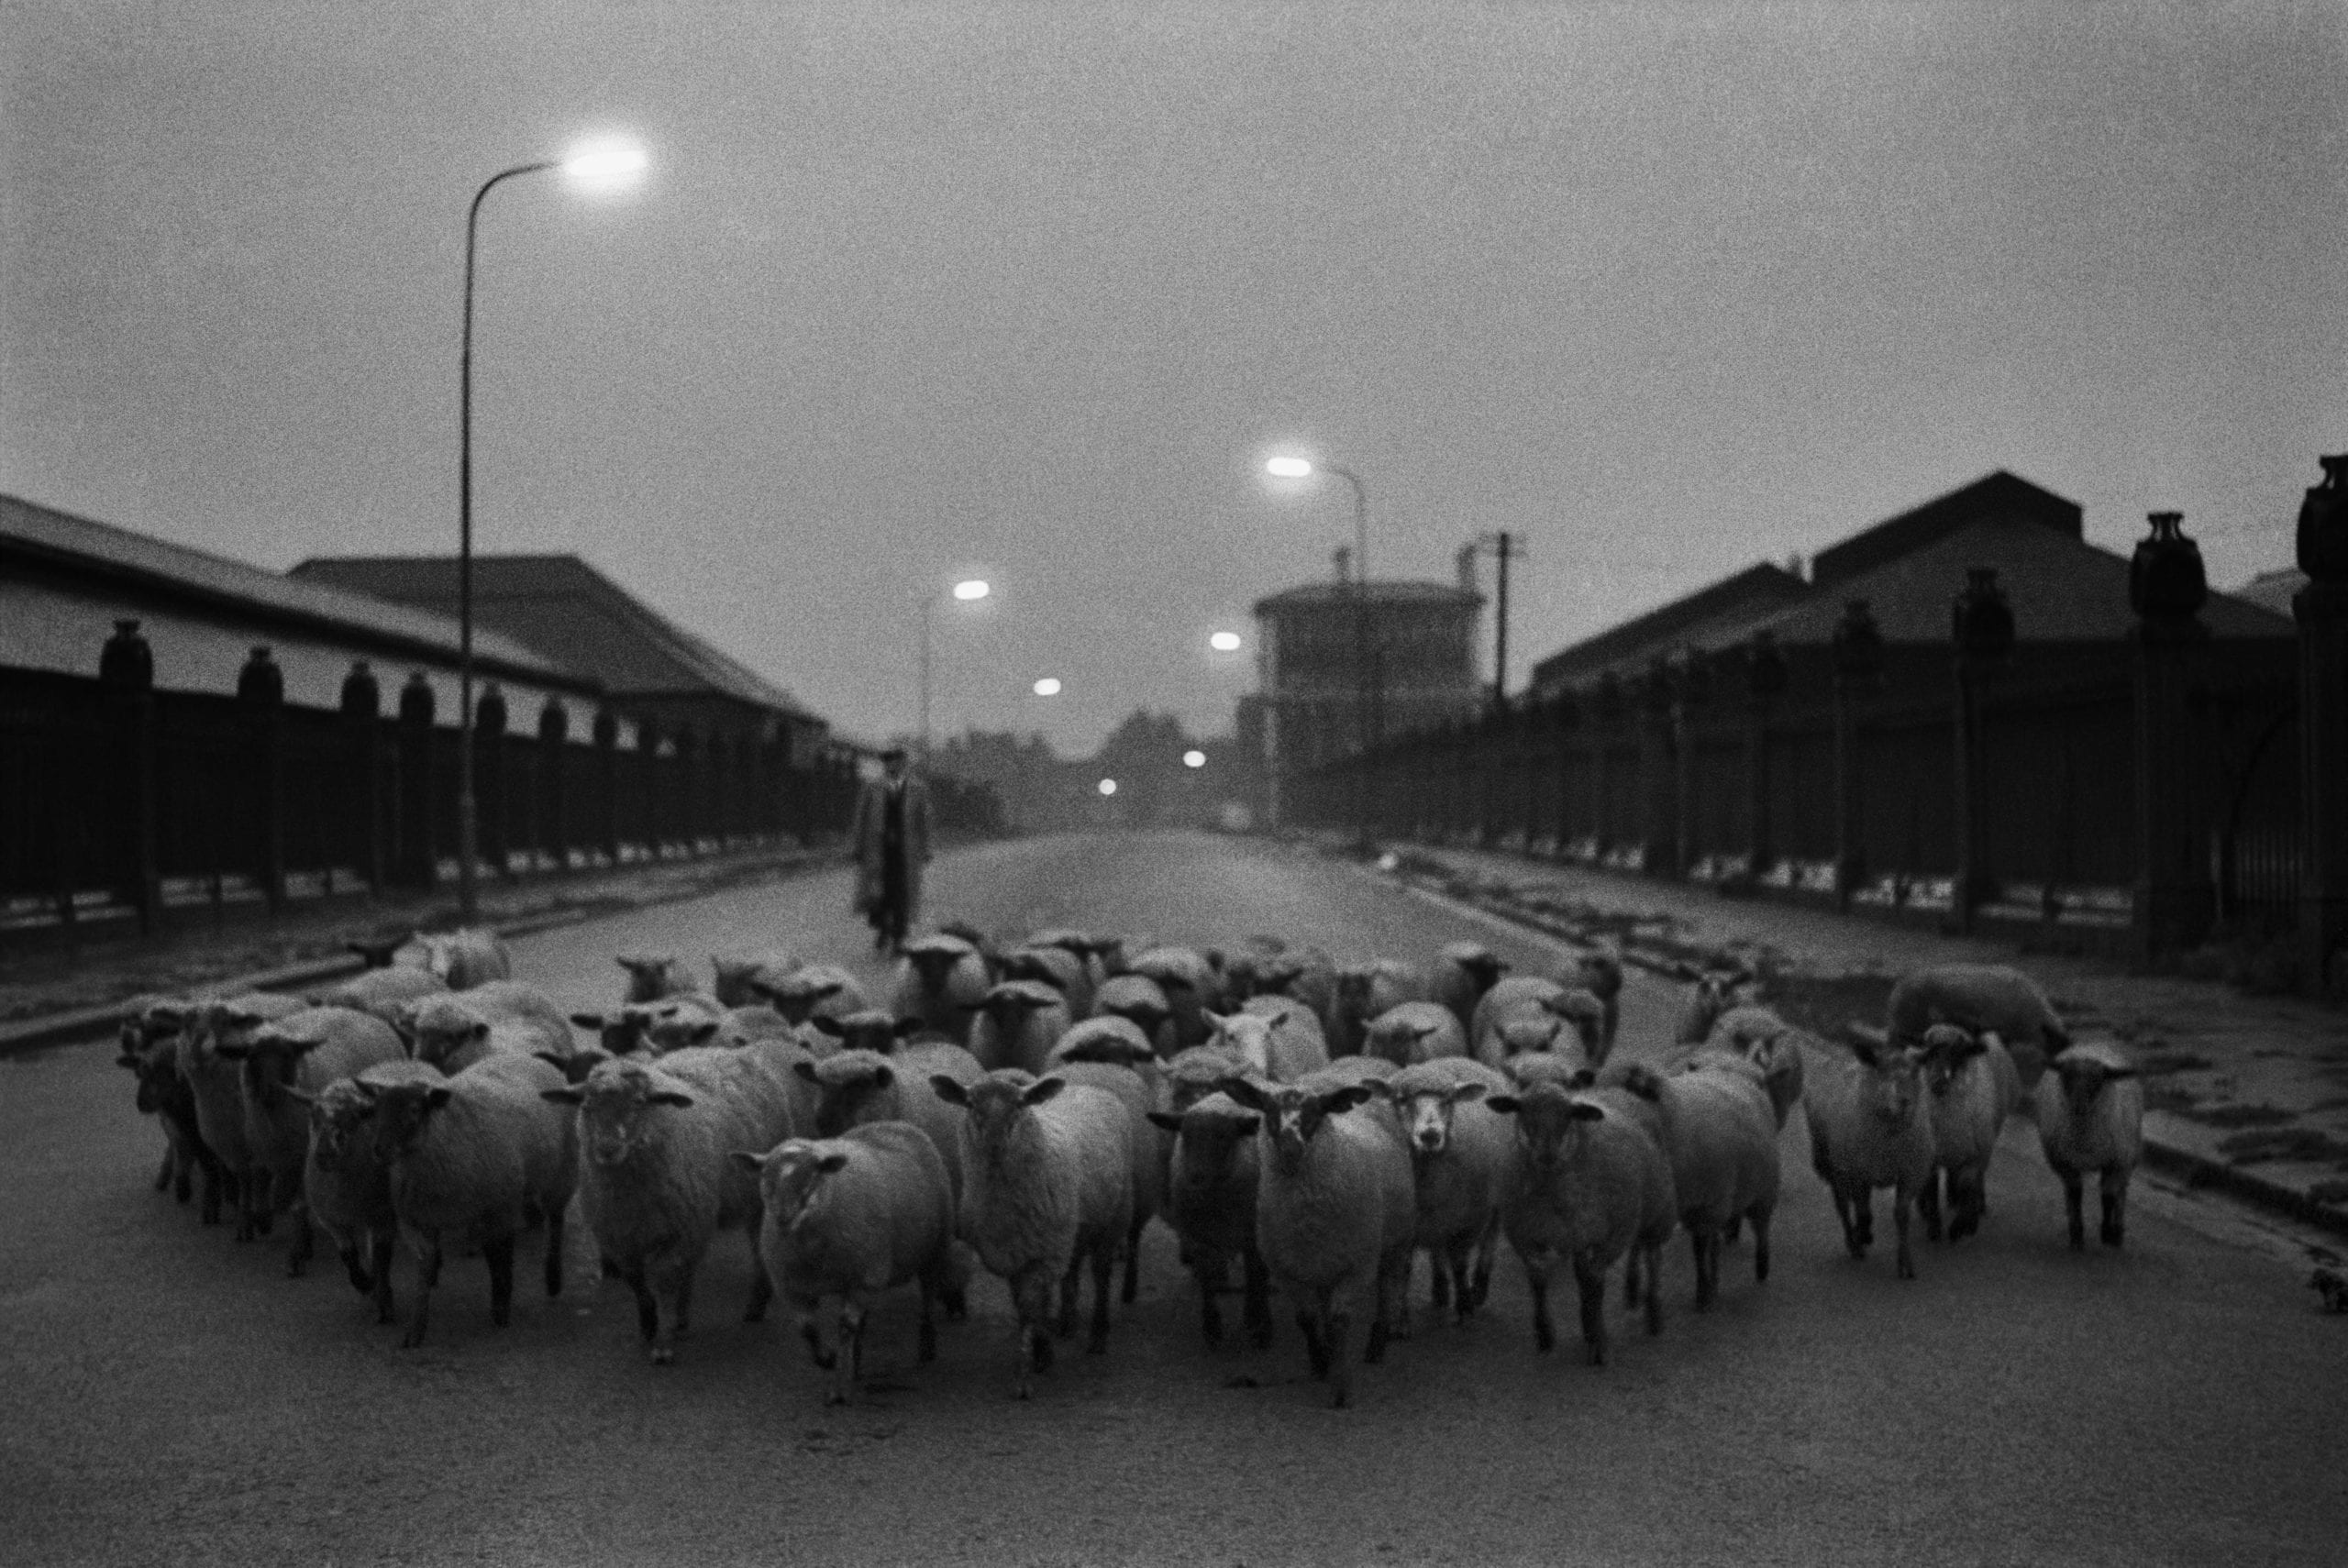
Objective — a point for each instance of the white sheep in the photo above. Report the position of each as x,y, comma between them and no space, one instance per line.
1712,993
1064,970
151,1050
1870,1126
1600,972
1460,1164
856,1086
473,1160
1460,976
382,992
1190,986
215,1086
651,975
464,959
1277,1047
1361,991
1972,1082
1770,1043
2090,1111
1138,1093
453,1031
1511,997
942,981
1294,1020
1047,1173
1211,1203
1142,1002
1017,1024
346,1178
1721,1140
848,1218
1586,1185
1978,996
1335,1216
1415,1032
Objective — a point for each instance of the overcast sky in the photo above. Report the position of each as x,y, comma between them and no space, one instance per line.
914,292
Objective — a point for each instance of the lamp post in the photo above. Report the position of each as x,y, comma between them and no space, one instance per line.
1298,467
969,591
605,165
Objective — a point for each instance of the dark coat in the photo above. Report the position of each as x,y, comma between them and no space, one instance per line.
864,835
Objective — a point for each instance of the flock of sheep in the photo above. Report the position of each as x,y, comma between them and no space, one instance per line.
1032,1106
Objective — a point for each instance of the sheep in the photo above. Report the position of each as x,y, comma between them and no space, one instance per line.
1459,977
1511,997
1292,1017
850,1217
1017,1024
1347,1071
1335,1216
151,1050
981,943
1058,967
940,980
1971,1081
1211,1187
382,992
1142,1001
1361,991
856,1086
215,1085
1600,972
347,1180
453,1031
1459,1164
872,1030
1586,1185
733,975
463,959
813,989
1870,1126
472,1160
1277,1047
1978,996
651,975
1712,993
1047,1172
1193,1074
301,1051
1306,973
1770,1043
398,952
1189,985
2091,1112
1140,1097
1242,968
1109,1040
656,1183
1721,1140
1415,1032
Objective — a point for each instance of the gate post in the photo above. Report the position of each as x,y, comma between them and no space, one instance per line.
362,710
554,751
1858,667
493,840
127,670
1982,625
2321,610
1660,852
607,784
260,689
1765,677
419,860
2166,589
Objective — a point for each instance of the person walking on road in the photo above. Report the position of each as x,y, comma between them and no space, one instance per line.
891,833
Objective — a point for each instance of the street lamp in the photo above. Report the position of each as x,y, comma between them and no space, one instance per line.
1194,759
1224,642
970,591
605,164
1298,467
1047,686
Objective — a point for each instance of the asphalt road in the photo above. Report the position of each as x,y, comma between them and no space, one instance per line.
168,1396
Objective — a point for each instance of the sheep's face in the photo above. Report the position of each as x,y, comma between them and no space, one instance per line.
1947,1049
404,1110
1293,1116
1352,985
1519,1036
934,963
1484,968
2083,1079
998,1104
270,1061
1892,1084
1549,1122
1210,1137
440,1029
855,1087
1245,1036
651,975
342,1126
618,1106
792,1175
1426,1116
154,1066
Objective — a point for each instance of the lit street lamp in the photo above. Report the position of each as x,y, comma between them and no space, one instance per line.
1194,759
1047,686
1108,786
604,165
1298,467
1224,642
970,591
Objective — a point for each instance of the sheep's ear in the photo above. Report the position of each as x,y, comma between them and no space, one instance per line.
290,1092
1218,1022
1428,1031
561,1096
703,1033
1247,1125
826,990
807,1070
668,1097
949,1088
479,1030
591,1020
1167,1119
1043,1090
2114,1074
1582,1110
828,1025
437,1096
559,1063
1584,1076
1346,1098
368,1091
1465,1093
1505,1104
1244,1091
749,1160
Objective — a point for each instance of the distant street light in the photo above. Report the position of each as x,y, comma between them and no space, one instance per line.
607,164
1047,686
1298,467
970,591
1194,759
1108,785
1224,642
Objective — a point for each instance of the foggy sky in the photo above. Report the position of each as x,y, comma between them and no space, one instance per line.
1030,291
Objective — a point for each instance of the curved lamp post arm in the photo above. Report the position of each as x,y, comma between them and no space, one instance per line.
1361,519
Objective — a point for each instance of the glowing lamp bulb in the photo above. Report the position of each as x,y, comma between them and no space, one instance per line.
974,588
1289,468
1108,785
1047,686
1224,642
1194,759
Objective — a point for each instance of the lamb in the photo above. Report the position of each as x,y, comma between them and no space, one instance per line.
1142,1001
1211,1187
1275,1047
1459,1164
151,1050
652,976
1971,1081
453,1031
1047,1168
1336,1217
2090,1110
734,977
346,1181
1189,985
1870,1126
811,989
1361,991
942,981
285,1061
463,959
1770,1043
1586,1186
856,1086
656,1183
1980,997
1017,1024
1721,1140
382,992
1462,973
215,1084
1415,1032
850,1217
472,1160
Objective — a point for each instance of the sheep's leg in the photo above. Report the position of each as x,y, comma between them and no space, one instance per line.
498,1253
554,1252
1439,1282
271,1199
347,1249
1341,1376
1031,1298
1699,1239
671,1287
246,1228
1104,1263
1760,1245
1536,1280
811,1331
1132,1285
1317,1347
1255,1310
1487,1250
1631,1279
953,1286
2115,1207
852,1357
648,1305
1929,1200
170,1163
1967,1200
1734,1230
1064,1323
208,1212
1209,1276
427,1275
1901,1197
1589,1280
1463,1289
1653,1286
380,1260
2072,1199
925,1349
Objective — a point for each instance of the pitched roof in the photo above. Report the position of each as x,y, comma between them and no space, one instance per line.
1390,593
569,611
61,539
1757,589
2273,589
2000,495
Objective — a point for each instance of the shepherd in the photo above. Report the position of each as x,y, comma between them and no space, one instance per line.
890,832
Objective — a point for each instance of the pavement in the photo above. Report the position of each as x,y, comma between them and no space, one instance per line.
2244,1093
52,998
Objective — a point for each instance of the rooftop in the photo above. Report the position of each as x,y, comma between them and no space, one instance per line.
1390,593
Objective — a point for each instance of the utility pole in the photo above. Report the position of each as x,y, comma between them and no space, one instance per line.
1499,631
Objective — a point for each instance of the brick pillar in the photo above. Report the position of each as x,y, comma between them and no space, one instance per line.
127,670
363,715
261,691
419,859
1858,670
2321,611
2175,899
